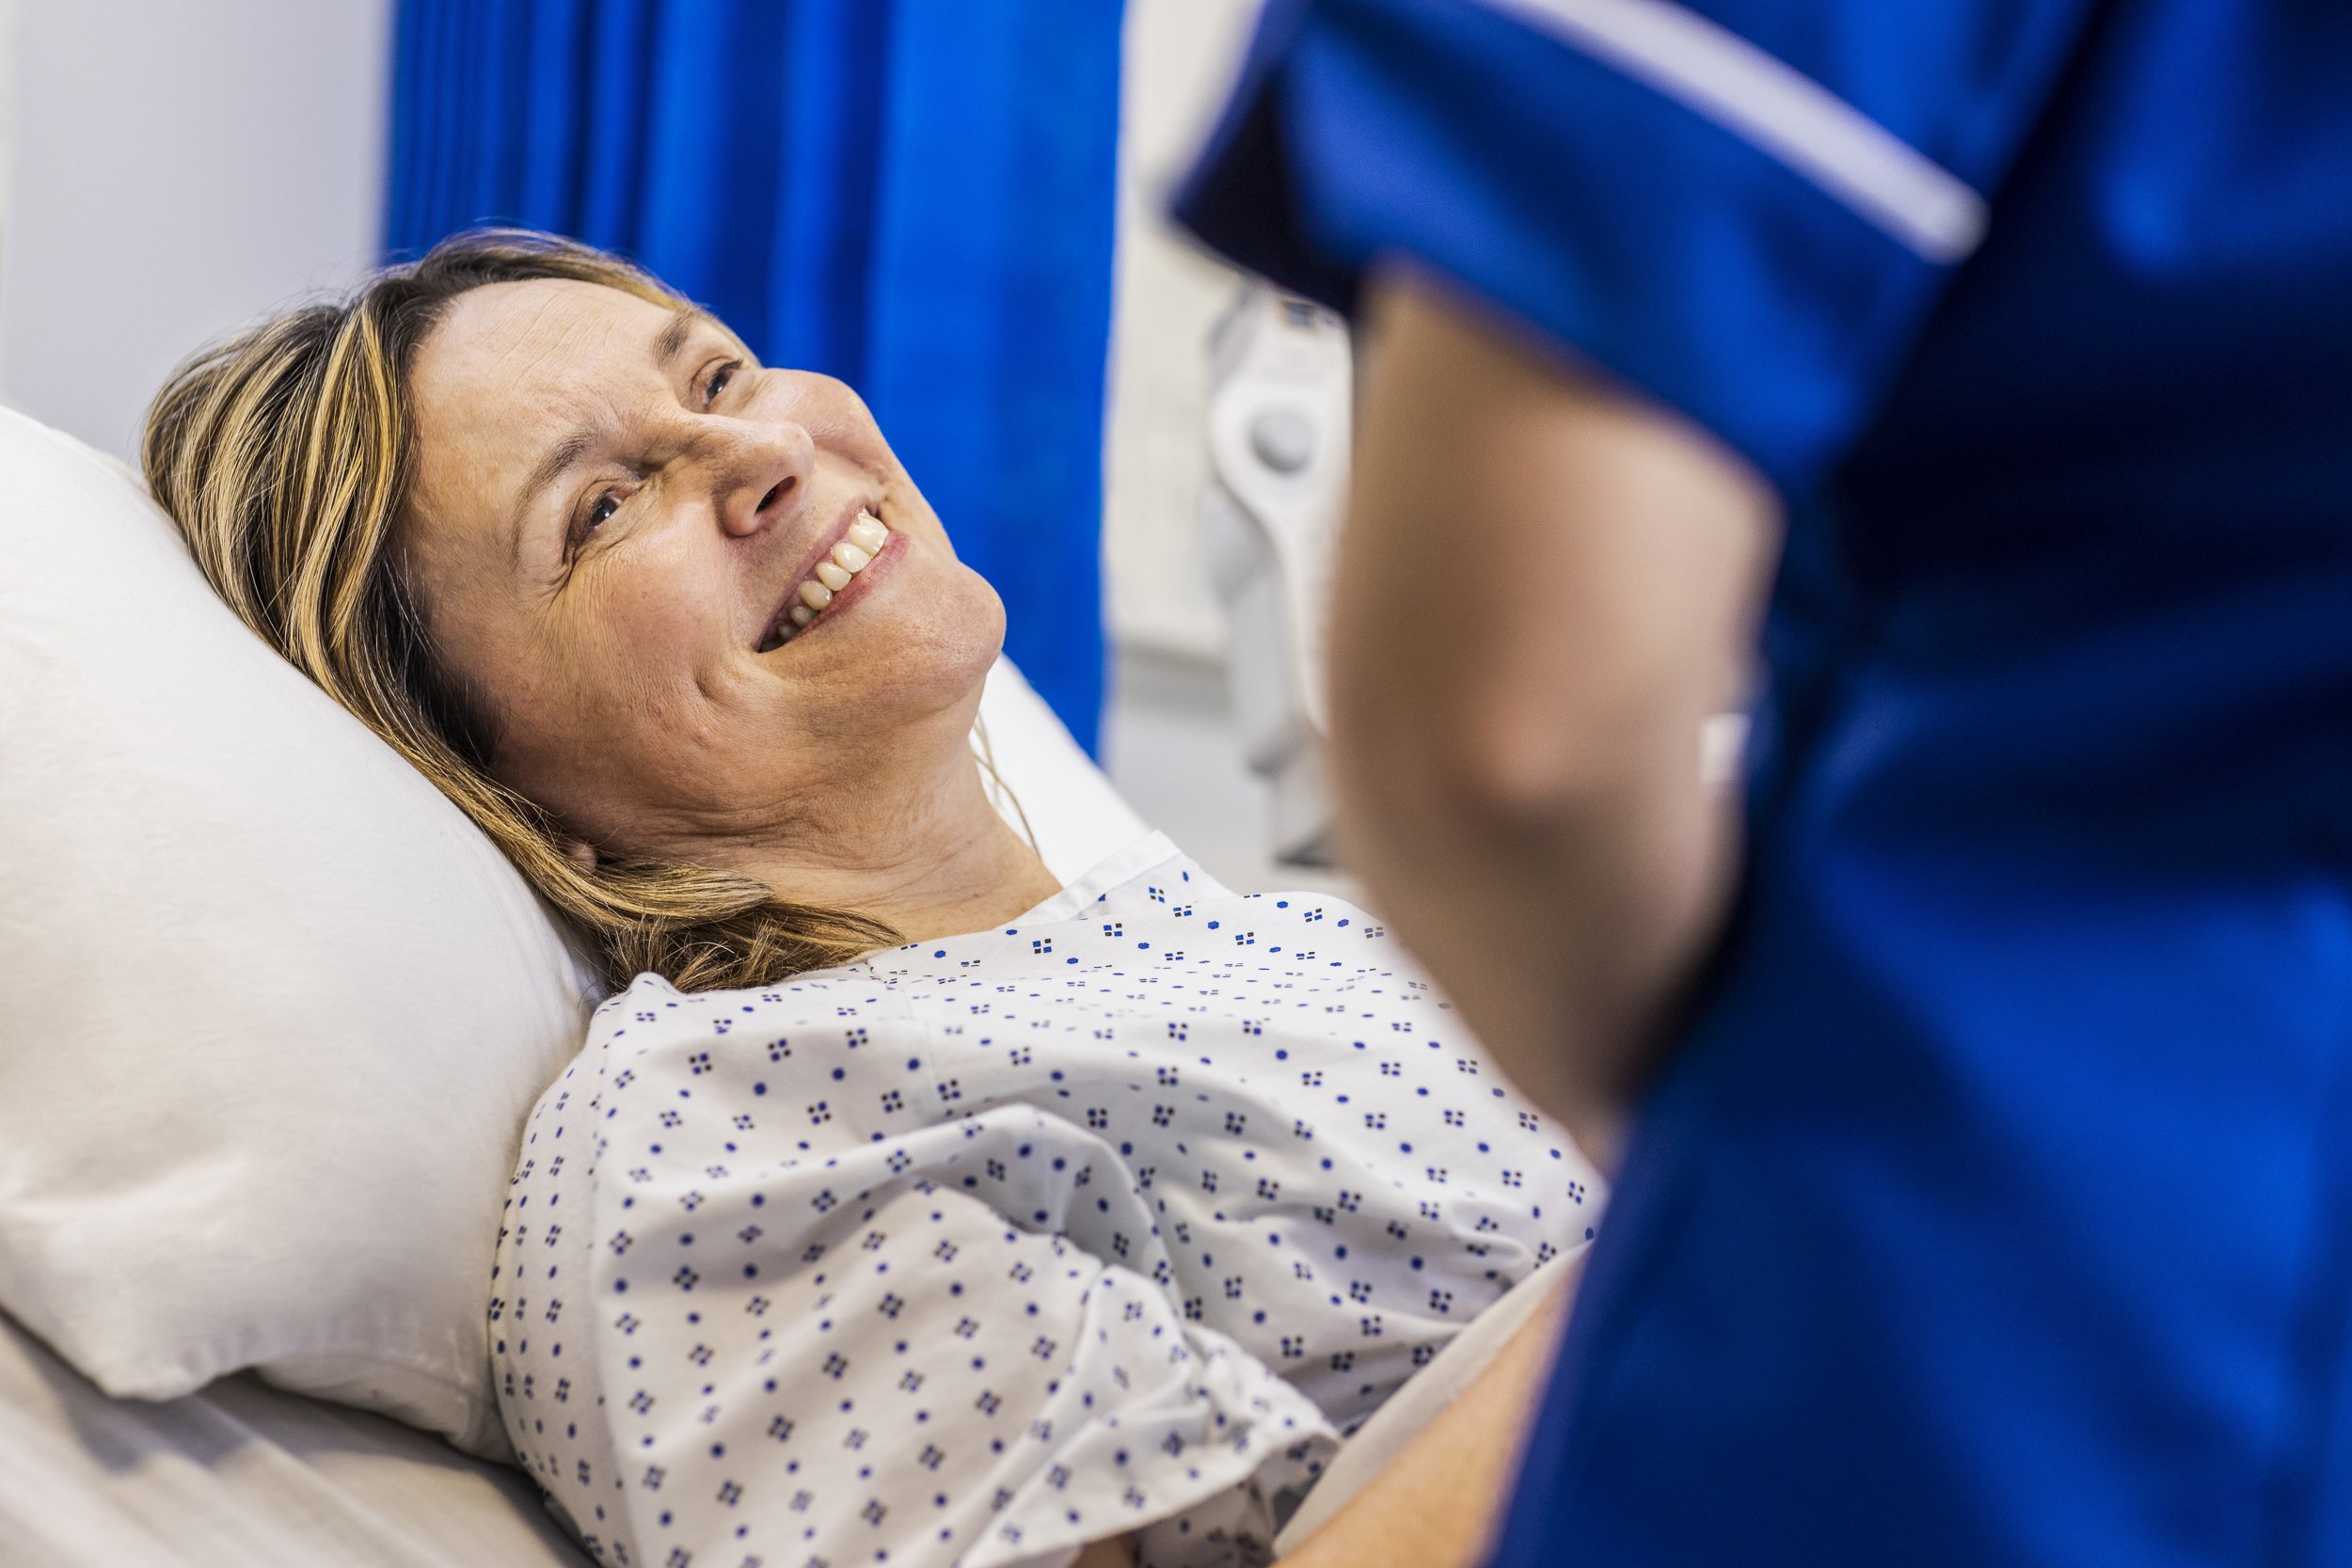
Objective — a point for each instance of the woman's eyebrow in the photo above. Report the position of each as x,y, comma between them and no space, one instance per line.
667,344
559,460
683,320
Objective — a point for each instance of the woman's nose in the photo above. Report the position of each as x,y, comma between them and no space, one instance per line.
763,472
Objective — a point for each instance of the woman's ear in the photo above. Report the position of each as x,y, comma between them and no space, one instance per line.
582,855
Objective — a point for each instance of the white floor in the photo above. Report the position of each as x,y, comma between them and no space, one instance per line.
1170,747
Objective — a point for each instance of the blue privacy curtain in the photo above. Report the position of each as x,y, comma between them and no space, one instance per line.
915,196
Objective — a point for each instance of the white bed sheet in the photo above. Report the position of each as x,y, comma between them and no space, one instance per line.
242,1476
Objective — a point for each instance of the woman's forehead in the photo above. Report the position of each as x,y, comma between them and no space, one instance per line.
539,331
513,367
508,372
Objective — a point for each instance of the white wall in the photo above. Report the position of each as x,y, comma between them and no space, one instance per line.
1179,60
179,167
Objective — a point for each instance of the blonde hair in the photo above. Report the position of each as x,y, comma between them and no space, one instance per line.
283,455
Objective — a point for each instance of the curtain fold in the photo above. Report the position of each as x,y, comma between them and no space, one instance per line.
915,196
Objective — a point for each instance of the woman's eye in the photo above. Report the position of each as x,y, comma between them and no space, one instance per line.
600,512
719,379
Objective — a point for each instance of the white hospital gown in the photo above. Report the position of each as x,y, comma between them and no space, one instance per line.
1112,1220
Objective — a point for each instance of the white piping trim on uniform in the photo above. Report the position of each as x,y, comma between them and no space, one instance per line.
1783,112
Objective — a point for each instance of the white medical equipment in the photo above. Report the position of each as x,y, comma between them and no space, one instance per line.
1278,437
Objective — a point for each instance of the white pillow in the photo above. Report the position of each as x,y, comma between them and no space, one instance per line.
273,1010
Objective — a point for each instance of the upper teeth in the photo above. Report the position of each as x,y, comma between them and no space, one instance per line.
866,537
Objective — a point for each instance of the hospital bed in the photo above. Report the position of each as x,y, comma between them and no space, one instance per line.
198,854
242,1474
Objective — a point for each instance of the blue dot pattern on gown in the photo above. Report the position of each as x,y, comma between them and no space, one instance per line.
1112,1220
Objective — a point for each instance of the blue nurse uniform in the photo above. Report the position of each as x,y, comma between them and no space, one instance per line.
1996,1209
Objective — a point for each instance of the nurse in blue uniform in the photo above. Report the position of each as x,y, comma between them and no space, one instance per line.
1985,1193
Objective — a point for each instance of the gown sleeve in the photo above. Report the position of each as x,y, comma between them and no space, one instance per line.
884,1350
1745,209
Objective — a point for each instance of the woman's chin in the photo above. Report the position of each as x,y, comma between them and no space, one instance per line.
966,638
912,649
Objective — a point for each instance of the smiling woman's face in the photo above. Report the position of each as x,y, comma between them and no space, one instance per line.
613,508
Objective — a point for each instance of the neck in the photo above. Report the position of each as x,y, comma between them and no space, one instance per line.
932,857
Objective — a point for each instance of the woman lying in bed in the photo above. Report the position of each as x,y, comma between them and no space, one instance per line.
906,1206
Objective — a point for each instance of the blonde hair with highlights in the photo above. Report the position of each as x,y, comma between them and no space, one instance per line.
284,454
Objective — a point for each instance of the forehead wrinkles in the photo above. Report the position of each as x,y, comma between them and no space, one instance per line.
559,370
502,380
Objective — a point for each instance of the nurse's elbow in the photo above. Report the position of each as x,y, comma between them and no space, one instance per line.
1484,758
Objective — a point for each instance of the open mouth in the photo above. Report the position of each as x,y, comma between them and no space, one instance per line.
851,555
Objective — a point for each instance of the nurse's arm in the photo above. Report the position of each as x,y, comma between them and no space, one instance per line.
1546,584
1439,1502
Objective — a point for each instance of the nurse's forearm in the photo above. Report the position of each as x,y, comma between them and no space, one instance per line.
1438,1502
1116,1551
1543,588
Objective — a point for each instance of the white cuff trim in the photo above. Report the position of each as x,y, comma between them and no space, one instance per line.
1782,112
